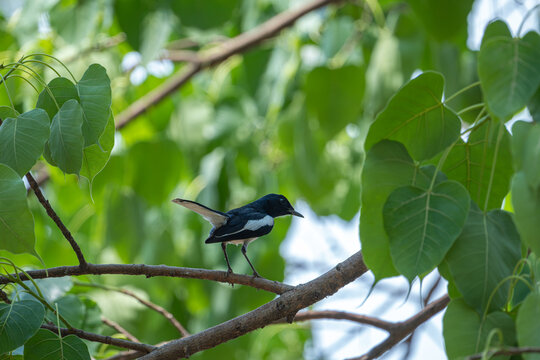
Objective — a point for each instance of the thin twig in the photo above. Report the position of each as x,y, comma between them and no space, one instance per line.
126,344
404,328
118,328
342,315
52,214
167,315
155,270
217,55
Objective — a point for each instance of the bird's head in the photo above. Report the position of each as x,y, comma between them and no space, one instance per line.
278,205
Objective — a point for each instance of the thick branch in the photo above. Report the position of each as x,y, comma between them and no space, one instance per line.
214,56
155,270
101,339
286,305
342,315
404,328
52,214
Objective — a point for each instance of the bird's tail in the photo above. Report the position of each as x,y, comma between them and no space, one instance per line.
216,218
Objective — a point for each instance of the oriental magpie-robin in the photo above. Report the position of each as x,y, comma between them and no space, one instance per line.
244,224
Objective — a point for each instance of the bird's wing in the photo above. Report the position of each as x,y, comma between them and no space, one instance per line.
242,227
216,218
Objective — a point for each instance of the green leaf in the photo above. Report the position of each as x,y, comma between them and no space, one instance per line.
531,157
62,90
387,167
483,164
334,96
94,157
520,134
156,30
534,106
71,308
205,14
7,112
423,224
94,90
527,324
335,35
46,345
466,334
485,253
16,221
18,322
497,28
443,19
66,140
509,72
416,117
22,140
526,203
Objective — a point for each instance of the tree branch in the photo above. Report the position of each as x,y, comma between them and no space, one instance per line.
119,329
286,305
215,56
404,328
167,315
52,214
126,344
155,270
342,315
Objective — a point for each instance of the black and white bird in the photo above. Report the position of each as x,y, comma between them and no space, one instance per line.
244,224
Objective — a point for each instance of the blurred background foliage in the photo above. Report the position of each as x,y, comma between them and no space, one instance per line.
288,116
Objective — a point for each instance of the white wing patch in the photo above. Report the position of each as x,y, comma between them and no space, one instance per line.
253,225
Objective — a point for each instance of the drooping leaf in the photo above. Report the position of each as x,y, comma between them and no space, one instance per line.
466,334
62,90
387,167
46,345
19,321
334,96
526,204
422,224
94,91
16,221
485,253
94,157
66,140
527,324
416,117
509,71
497,28
531,157
22,140
534,106
483,164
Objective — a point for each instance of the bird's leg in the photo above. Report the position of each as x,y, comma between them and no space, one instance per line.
224,248
244,251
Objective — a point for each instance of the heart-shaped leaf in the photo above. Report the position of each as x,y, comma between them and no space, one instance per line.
422,224
416,117
22,139
19,321
66,140
62,90
46,345
95,157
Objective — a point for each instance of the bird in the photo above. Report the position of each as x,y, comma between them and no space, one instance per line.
242,225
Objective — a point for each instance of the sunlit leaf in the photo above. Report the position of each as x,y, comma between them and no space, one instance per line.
22,139
416,117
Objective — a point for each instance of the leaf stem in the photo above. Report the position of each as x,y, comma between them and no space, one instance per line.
459,92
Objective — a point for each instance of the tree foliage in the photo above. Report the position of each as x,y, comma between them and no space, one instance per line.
377,107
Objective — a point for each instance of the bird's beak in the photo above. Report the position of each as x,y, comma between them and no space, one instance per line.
296,213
